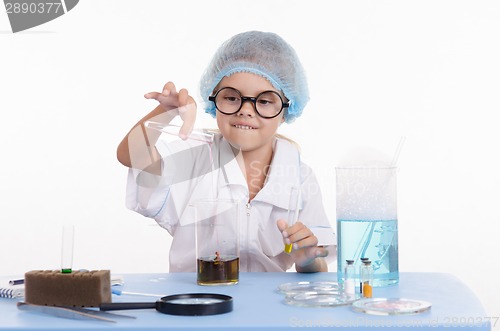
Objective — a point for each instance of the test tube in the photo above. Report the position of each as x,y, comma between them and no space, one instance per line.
68,235
293,212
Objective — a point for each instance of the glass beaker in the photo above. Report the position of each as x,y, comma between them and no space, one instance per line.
217,242
367,225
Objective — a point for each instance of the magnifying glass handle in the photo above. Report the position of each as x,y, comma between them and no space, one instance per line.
127,305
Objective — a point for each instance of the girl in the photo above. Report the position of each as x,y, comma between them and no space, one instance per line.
254,83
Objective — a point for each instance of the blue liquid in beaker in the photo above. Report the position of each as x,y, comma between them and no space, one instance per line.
377,240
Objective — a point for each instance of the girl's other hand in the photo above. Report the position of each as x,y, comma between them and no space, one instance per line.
181,103
305,246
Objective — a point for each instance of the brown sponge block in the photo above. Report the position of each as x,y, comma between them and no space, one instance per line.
76,289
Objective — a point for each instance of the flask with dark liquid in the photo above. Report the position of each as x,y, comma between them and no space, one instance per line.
218,270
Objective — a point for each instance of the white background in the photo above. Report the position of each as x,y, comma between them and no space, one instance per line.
378,70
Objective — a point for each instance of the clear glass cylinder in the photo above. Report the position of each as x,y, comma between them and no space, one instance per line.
217,241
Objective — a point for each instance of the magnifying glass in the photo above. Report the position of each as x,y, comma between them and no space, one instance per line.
190,304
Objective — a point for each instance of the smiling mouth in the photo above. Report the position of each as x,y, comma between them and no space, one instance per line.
243,127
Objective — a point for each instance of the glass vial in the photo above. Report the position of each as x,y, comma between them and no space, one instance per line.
349,278
363,260
367,279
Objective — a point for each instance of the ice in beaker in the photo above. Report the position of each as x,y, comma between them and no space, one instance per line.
367,225
217,242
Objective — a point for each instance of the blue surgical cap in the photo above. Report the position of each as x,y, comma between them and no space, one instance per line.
265,54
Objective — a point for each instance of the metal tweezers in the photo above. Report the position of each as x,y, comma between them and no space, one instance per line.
72,312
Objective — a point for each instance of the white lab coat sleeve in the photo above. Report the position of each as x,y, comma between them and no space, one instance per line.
146,193
155,197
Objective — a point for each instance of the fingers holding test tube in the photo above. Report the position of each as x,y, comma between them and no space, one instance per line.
296,236
306,251
179,102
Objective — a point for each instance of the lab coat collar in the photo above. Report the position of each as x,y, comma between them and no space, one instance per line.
231,170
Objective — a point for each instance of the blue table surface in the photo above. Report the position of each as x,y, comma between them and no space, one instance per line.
258,305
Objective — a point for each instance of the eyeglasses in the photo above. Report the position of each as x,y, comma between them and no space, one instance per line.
267,104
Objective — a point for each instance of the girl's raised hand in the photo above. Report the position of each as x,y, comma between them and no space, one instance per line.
180,103
305,246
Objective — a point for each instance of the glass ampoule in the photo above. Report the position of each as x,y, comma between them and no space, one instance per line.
350,278
363,259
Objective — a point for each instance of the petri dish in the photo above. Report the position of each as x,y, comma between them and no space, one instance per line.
390,306
171,129
320,299
301,287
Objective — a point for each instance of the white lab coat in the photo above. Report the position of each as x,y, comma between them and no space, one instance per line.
167,200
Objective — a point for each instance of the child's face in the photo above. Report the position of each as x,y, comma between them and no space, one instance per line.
246,129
